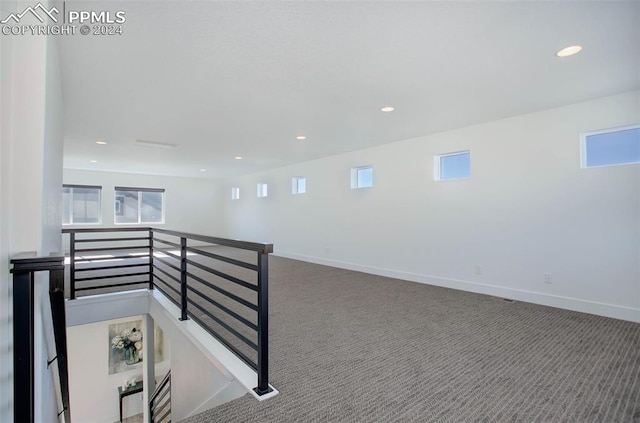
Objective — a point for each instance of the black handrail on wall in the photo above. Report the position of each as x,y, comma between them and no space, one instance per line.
160,401
213,291
23,270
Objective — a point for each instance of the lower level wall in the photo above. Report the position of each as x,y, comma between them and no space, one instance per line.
93,391
204,373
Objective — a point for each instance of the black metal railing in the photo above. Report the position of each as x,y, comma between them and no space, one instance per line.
108,260
24,267
220,283
160,401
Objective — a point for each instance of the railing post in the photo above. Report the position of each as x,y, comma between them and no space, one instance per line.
72,266
150,258
263,324
56,297
24,266
23,367
183,278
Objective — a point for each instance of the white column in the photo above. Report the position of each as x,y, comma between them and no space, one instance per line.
148,364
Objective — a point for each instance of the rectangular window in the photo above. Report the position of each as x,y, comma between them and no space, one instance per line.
611,147
298,185
452,166
235,193
262,190
139,205
362,177
81,204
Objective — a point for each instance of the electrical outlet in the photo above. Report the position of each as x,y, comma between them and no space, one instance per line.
477,269
547,278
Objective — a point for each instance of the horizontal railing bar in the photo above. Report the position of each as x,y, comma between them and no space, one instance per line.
128,256
243,245
158,399
161,418
162,399
111,276
229,345
167,252
223,258
113,285
223,275
137,238
224,292
167,294
173,244
163,384
225,325
225,309
159,407
166,273
124,248
167,284
89,269
89,230
161,260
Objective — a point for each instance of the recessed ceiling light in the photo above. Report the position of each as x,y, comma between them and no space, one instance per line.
301,137
155,144
101,142
387,109
93,161
238,157
569,51
203,170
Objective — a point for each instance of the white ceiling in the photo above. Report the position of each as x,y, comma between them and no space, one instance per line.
222,79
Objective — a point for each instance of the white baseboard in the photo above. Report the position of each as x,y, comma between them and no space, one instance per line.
568,303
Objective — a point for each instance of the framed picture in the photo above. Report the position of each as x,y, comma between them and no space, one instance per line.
126,344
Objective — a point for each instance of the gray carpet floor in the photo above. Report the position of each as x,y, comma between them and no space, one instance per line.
352,347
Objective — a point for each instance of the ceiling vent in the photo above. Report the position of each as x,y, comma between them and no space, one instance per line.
154,144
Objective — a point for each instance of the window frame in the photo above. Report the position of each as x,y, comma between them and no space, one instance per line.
355,177
437,165
139,192
72,186
262,190
583,145
295,185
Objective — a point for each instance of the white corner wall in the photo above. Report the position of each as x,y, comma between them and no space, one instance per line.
30,175
191,204
6,353
528,209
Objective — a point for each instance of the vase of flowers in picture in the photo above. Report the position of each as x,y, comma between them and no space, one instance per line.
129,342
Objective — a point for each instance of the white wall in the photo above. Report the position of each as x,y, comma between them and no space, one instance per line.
6,371
93,391
53,133
191,204
528,209
31,121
